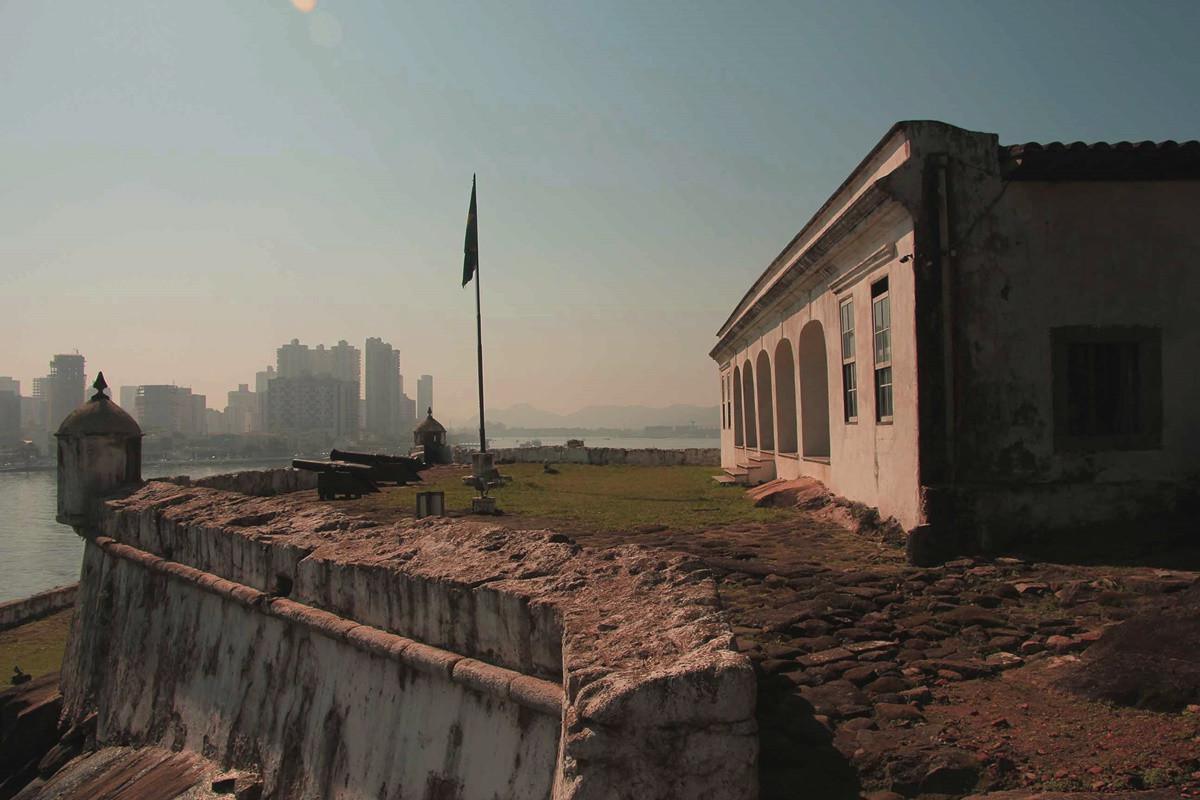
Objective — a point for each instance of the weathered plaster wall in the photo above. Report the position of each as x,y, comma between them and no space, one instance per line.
1112,253
655,703
640,457
303,697
18,612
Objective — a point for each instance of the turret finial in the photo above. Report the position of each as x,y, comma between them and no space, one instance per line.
429,411
99,385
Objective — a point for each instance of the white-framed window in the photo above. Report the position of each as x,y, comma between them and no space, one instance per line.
725,402
881,327
849,376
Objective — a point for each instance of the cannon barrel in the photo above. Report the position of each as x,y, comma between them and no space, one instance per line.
373,459
312,465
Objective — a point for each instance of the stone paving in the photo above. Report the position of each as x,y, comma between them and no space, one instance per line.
865,663
847,657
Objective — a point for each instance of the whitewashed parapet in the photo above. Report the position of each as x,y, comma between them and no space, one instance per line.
616,456
28,609
258,482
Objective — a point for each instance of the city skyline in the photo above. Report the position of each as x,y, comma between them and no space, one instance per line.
307,390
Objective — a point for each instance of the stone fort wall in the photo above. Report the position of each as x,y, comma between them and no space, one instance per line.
342,657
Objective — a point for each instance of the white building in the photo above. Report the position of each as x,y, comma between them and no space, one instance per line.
982,341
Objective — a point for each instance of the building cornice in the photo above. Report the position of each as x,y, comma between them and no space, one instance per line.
803,268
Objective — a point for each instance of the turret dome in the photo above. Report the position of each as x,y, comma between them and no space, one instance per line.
99,416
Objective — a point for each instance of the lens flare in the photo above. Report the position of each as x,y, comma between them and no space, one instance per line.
304,6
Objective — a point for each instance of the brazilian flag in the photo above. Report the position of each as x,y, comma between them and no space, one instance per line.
471,245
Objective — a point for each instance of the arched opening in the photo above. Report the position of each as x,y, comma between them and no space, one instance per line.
766,414
736,391
785,397
748,404
814,391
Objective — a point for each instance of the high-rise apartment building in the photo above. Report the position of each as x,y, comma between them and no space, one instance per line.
262,385
241,411
10,411
407,418
127,399
312,404
382,388
171,409
66,384
293,360
345,363
424,395
335,408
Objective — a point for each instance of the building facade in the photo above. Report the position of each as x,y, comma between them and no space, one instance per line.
958,338
327,380
382,388
162,408
424,394
241,411
67,382
313,404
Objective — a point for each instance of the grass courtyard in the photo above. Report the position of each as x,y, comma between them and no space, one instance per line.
36,647
607,498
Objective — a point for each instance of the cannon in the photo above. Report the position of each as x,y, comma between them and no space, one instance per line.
339,478
384,468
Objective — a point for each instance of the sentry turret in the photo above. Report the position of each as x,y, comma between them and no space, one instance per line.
99,452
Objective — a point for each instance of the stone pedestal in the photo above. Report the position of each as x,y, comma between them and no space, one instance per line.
483,505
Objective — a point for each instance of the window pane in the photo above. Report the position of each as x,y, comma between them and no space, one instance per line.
847,319
883,393
881,316
1103,389
849,391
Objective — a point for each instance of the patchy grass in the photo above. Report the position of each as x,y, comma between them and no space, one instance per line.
36,647
611,498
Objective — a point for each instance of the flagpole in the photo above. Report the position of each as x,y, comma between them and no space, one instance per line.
479,342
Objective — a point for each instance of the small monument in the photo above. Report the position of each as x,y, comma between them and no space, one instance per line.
430,438
99,452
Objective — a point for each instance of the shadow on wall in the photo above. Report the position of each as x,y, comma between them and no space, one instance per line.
796,750
1166,543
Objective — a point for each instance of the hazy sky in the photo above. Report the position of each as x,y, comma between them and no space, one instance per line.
186,185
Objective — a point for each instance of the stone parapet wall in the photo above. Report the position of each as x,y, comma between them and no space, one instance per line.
639,457
318,705
257,483
420,657
538,695
28,609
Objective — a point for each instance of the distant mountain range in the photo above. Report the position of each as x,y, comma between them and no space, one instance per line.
524,415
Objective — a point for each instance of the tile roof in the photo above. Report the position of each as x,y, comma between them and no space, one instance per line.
1083,161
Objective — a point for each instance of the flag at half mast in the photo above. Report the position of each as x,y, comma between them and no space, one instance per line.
471,245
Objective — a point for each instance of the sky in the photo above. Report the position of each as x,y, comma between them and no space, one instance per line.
184,186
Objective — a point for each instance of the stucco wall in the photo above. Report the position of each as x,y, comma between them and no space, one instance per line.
870,462
1113,253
